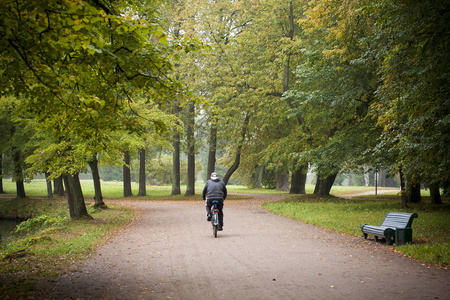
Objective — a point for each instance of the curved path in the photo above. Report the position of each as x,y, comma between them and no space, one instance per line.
169,252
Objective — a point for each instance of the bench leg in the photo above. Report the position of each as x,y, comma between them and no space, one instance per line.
388,239
365,235
376,238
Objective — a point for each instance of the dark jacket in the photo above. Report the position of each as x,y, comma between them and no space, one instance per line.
214,189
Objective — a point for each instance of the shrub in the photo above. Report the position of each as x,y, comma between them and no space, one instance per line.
40,222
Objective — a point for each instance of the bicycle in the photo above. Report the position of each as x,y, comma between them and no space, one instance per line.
215,217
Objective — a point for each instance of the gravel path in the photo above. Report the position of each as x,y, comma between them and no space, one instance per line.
169,252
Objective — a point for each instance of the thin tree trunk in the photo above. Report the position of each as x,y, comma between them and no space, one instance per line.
75,198
446,188
142,176
49,186
190,190
58,186
20,188
283,180
98,197
298,181
237,159
2,191
127,192
212,148
70,199
402,189
257,182
435,194
323,186
366,176
176,166
176,172
413,192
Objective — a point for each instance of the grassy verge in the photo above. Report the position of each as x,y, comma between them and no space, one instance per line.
114,190
431,241
45,249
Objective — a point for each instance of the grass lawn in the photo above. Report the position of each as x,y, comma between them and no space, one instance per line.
431,241
114,190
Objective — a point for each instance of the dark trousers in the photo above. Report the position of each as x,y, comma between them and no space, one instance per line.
219,206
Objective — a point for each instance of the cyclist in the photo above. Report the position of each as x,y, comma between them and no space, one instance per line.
215,189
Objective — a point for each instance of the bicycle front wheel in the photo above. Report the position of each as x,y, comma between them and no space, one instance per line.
215,230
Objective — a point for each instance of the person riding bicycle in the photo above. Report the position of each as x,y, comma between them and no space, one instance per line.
215,189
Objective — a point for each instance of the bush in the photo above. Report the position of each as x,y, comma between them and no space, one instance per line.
40,222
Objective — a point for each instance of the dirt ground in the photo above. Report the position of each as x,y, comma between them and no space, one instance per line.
169,252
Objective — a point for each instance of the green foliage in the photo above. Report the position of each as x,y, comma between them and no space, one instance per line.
40,222
269,179
413,43
83,71
159,170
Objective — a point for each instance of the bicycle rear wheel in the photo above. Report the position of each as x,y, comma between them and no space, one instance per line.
215,230
215,222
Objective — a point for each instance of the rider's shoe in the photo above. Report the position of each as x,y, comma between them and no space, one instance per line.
220,228
208,217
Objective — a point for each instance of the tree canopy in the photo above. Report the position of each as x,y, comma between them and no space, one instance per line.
333,84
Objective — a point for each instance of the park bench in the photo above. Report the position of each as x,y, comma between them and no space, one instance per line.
395,225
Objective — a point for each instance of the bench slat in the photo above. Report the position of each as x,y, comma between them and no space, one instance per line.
391,222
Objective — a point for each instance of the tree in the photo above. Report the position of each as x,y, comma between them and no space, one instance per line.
413,98
75,198
58,186
78,67
127,192
142,176
98,197
15,145
49,186
176,171
190,190
1,174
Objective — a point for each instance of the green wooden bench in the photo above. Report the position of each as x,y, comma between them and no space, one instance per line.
395,225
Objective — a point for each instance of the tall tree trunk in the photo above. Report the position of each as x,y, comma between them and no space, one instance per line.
190,190
323,186
20,188
58,186
70,198
237,159
298,180
382,177
413,192
49,186
283,180
75,198
176,172
257,182
402,189
142,176
212,148
283,175
446,188
366,176
435,194
127,192
2,191
98,197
